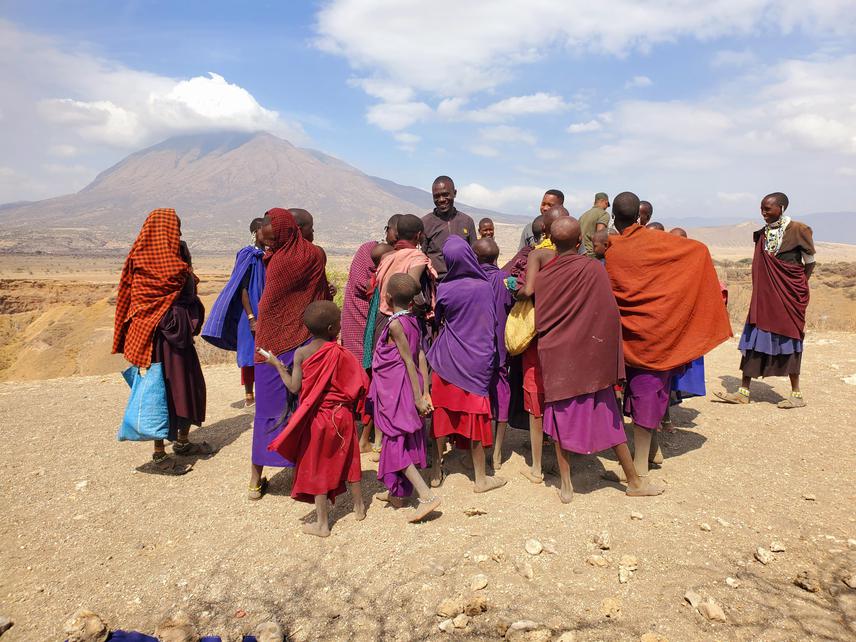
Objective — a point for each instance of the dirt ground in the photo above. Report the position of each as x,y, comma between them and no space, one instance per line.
82,528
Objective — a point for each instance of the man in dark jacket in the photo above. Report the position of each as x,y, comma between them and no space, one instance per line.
444,221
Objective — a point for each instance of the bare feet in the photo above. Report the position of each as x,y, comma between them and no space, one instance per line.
490,483
437,476
360,511
424,508
646,488
565,496
496,460
317,529
535,479
392,500
657,457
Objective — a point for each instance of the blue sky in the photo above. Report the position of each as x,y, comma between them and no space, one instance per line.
700,107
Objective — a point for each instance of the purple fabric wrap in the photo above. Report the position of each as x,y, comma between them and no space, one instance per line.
394,409
647,395
464,352
753,338
500,395
271,398
585,424
503,302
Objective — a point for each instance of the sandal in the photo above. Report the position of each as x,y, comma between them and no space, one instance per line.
796,401
189,448
259,491
741,397
163,464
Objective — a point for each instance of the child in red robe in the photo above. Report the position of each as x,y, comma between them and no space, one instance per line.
321,435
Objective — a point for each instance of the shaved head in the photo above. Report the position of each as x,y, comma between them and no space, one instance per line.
656,225
565,232
486,250
625,209
646,211
304,222
551,215
678,231
538,226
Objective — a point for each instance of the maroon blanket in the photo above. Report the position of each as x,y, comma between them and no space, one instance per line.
579,328
779,294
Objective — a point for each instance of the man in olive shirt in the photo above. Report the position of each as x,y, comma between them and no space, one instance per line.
597,218
444,221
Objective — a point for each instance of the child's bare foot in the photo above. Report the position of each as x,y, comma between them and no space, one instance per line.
437,476
535,479
566,496
317,529
360,511
645,488
490,483
392,500
656,458
424,508
497,460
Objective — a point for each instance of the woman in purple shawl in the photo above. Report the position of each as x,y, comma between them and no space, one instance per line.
463,358
232,322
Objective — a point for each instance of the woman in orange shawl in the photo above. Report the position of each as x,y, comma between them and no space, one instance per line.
157,315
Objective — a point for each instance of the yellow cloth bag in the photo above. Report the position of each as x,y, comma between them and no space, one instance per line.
520,328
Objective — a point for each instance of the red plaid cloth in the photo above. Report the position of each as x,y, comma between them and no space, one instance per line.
294,278
355,304
152,278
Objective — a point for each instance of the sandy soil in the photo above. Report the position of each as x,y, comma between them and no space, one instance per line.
83,529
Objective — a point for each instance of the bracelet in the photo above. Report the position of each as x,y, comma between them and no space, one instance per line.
251,317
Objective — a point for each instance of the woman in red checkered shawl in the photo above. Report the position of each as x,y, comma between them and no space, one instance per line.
157,315
295,277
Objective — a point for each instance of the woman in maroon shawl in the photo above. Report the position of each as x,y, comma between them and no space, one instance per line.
772,340
295,277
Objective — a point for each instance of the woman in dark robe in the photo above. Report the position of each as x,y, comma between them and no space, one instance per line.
772,340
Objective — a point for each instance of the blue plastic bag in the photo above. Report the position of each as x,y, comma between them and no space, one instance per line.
147,415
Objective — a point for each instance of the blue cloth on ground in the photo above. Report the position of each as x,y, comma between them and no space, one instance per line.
227,326
147,413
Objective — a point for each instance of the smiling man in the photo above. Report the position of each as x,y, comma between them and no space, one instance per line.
444,221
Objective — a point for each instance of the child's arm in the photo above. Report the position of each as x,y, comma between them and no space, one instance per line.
397,334
533,266
293,379
423,369
297,371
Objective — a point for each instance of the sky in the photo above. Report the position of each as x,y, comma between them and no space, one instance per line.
700,108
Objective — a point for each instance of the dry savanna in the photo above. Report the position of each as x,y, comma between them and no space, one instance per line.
755,537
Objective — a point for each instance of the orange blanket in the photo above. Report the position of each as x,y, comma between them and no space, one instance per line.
669,298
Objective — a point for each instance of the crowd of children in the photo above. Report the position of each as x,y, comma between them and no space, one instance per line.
590,321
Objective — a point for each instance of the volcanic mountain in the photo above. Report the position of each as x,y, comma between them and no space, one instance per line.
217,183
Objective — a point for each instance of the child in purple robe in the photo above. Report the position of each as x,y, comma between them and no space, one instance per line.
487,252
400,399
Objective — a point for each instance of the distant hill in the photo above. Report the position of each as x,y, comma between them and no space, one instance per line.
217,183
832,227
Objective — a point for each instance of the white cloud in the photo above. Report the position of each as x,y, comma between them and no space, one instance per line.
484,150
638,81
507,134
487,40
407,141
397,116
512,198
61,101
582,128
534,104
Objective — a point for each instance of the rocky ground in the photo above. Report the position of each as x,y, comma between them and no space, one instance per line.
757,498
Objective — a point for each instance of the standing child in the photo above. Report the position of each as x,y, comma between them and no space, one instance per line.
463,357
400,399
486,229
321,435
487,252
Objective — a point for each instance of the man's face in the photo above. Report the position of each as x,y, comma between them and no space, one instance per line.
603,204
486,230
549,200
770,210
307,230
644,215
444,196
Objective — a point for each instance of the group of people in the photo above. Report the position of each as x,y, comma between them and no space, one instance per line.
590,321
